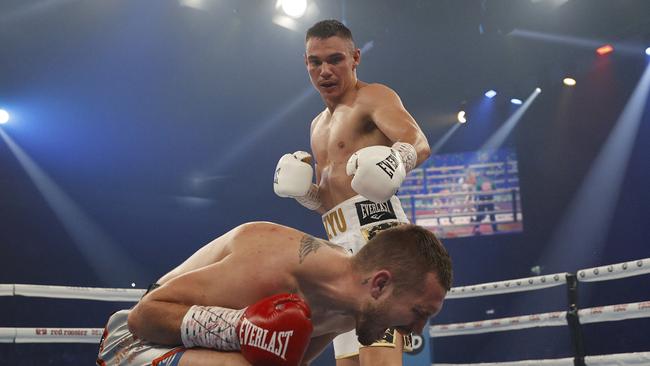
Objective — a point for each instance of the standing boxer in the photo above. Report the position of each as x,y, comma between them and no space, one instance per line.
364,143
265,294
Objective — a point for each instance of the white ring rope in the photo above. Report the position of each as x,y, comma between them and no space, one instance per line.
617,359
467,213
603,273
50,335
618,312
70,292
615,271
6,290
609,272
499,325
589,315
502,191
502,287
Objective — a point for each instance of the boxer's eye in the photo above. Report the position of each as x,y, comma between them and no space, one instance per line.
335,60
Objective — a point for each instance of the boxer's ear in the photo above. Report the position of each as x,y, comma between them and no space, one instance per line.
380,283
356,56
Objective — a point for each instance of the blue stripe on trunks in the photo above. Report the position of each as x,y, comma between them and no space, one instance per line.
173,360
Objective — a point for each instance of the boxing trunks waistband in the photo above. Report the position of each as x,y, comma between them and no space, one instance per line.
355,221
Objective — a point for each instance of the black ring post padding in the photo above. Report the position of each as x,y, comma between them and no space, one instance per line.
573,320
514,204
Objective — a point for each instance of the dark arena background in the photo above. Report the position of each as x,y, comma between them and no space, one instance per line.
134,132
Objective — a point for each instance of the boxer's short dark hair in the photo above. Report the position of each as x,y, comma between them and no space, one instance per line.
329,28
409,252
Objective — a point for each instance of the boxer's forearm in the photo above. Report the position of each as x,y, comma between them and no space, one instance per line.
157,321
422,148
413,135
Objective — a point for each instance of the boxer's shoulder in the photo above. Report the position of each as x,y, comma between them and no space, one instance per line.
254,227
320,118
275,230
375,94
266,236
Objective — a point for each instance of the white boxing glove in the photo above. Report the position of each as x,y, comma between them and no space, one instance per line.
380,170
293,178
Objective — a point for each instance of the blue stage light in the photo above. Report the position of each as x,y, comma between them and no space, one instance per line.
4,116
490,93
515,101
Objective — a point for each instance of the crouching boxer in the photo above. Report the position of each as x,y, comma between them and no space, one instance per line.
266,294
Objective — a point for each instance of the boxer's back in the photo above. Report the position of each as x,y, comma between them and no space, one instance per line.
254,261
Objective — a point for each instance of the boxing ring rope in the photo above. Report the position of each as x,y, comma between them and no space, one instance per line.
62,335
616,359
603,273
573,317
503,287
50,335
70,292
590,315
467,193
615,271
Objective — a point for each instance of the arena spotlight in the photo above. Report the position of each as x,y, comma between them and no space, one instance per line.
569,81
4,116
647,51
294,8
490,93
605,49
516,101
194,4
462,117
499,137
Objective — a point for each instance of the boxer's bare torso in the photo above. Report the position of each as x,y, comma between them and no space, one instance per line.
336,134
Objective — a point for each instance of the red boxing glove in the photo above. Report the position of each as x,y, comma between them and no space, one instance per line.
275,331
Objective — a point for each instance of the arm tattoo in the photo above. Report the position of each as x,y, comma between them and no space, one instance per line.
309,244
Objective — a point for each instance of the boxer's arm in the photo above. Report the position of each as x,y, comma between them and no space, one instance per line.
157,321
317,170
158,316
388,113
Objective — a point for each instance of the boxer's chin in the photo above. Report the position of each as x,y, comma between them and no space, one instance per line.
369,329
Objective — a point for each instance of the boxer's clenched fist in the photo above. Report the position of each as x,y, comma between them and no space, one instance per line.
275,331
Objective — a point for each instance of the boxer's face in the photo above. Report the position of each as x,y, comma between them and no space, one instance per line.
408,311
331,63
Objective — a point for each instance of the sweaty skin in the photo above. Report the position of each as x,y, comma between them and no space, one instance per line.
358,115
228,272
